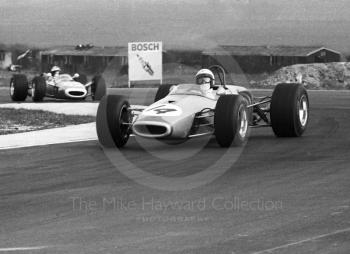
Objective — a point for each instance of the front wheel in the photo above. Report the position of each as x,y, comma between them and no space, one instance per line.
98,88
113,121
38,88
289,110
231,120
18,87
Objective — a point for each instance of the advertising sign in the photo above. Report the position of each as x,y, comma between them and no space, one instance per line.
145,61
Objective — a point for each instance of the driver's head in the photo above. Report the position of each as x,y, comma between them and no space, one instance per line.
55,70
205,76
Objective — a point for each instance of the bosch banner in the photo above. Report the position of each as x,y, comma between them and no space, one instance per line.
145,61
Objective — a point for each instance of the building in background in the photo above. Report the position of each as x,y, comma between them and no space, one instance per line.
19,55
85,59
259,59
179,63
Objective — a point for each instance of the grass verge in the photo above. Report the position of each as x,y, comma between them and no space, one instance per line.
22,120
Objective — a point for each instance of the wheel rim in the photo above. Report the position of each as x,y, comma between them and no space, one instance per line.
124,121
12,88
303,111
243,122
33,90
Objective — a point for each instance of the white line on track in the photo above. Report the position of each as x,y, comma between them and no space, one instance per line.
24,248
302,241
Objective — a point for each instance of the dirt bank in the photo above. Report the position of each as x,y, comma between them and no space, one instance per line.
315,76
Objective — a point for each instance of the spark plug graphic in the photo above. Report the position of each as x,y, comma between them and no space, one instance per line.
145,65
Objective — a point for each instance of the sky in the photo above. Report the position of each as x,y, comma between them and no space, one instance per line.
182,23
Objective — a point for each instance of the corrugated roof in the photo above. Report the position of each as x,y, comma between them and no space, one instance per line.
94,51
266,50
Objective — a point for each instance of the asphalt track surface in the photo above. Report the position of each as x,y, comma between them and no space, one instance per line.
280,196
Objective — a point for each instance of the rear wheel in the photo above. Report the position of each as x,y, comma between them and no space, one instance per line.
289,110
18,87
98,88
113,121
163,90
231,120
38,88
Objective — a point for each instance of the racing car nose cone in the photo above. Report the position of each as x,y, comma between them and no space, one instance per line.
150,129
76,92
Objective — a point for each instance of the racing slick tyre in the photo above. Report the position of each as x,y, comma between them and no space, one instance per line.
18,87
38,88
162,91
289,111
98,88
231,120
112,121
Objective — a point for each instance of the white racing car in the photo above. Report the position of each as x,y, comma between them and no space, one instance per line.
62,87
184,111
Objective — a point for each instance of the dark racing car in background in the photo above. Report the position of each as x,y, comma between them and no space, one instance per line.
63,86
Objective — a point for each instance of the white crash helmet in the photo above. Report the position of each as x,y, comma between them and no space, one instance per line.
55,68
205,73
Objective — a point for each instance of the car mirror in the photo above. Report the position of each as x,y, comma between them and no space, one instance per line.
76,75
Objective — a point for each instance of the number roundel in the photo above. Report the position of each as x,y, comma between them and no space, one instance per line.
163,110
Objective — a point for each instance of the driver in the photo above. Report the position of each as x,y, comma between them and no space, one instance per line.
53,75
55,71
206,79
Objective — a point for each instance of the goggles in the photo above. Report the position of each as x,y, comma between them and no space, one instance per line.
203,80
